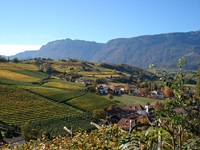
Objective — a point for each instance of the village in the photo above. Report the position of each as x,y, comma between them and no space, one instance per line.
131,115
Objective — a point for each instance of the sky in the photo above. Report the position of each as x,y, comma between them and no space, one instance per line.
29,24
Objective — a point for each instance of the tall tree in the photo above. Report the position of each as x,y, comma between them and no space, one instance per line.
168,92
198,82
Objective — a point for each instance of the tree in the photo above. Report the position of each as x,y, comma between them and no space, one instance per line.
15,60
168,92
2,59
100,81
98,114
1,136
110,96
143,90
127,88
111,107
46,67
198,83
143,120
61,76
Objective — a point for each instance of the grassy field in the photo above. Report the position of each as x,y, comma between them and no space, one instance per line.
127,100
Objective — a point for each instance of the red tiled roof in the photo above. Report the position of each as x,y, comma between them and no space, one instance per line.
135,107
124,123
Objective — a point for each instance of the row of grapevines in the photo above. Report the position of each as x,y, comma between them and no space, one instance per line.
18,105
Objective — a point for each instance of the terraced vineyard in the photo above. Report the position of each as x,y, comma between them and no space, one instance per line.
65,85
33,98
91,102
18,106
7,74
58,95
15,66
28,97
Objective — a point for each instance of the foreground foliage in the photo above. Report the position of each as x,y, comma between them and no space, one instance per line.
105,138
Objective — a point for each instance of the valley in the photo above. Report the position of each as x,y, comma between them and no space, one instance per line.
44,95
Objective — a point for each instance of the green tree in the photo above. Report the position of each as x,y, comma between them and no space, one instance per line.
100,81
168,92
46,67
98,114
110,96
171,130
15,60
1,136
111,107
2,59
198,82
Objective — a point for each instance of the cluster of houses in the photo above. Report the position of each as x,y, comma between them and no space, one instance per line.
135,114
126,89
130,115
83,81
104,89
116,89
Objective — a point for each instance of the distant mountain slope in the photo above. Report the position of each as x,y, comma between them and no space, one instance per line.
26,55
163,50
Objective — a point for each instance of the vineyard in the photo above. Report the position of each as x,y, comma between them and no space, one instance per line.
30,99
18,106
15,66
41,104
17,76
65,85
91,102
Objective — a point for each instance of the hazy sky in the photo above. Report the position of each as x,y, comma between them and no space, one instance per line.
29,24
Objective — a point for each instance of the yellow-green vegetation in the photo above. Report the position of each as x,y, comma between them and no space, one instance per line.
124,100
169,130
15,66
18,106
91,102
112,138
17,76
64,85
57,94
101,139
31,99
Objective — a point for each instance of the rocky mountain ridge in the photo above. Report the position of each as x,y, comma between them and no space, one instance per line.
162,50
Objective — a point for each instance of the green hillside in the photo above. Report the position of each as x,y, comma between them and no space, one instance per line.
42,95
35,99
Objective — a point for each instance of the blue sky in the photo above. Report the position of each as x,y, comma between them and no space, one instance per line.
29,24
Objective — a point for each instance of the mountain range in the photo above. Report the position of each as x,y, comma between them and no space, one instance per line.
163,50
